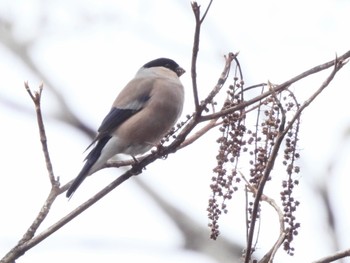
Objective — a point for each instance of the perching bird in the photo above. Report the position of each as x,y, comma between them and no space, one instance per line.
144,111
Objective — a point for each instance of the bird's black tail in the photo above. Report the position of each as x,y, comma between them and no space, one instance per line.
91,159
80,178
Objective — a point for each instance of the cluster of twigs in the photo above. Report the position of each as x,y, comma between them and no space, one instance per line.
276,113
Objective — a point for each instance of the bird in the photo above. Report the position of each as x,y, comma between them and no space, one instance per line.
143,112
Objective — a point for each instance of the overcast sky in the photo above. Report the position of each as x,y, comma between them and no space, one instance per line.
90,49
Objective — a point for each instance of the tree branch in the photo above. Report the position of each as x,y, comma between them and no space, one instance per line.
36,97
196,12
334,257
277,89
195,49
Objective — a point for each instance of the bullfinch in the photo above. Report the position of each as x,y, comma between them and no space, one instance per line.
143,112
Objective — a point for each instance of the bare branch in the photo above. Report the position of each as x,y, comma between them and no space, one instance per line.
338,64
271,254
278,88
206,11
340,254
36,97
221,81
200,133
196,11
195,49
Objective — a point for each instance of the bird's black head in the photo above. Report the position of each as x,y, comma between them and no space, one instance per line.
167,63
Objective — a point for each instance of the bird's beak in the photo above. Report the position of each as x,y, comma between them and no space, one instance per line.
179,71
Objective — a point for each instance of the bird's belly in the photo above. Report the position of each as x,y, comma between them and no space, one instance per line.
136,149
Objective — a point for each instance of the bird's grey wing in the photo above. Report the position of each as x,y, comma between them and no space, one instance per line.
117,116
114,118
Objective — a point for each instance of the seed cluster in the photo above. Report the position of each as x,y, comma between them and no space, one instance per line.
257,143
231,142
289,203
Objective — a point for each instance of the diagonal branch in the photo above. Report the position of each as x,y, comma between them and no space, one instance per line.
334,257
206,12
277,89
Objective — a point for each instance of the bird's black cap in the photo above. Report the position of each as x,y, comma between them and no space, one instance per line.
167,63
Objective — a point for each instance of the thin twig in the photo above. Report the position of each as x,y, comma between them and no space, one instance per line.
206,12
194,137
268,257
36,97
195,49
221,81
196,12
334,257
338,64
